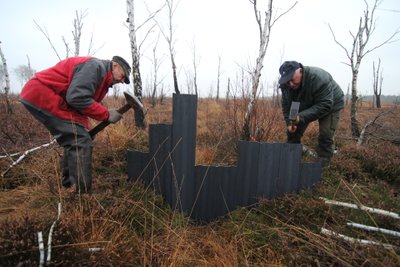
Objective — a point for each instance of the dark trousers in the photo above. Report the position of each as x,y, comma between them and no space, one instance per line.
327,128
77,144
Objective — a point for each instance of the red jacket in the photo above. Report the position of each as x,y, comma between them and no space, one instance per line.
72,89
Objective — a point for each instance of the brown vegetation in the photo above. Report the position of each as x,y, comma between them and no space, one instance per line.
129,226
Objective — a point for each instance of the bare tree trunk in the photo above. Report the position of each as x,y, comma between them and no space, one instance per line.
189,81
155,69
355,129
228,89
171,9
378,80
29,67
137,80
378,100
373,101
275,95
162,95
218,76
156,65
195,64
9,108
264,32
264,35
77,33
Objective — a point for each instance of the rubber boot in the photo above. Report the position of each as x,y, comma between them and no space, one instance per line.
80,168
66,182
325,162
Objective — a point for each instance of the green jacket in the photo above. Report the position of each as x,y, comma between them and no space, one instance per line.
319,95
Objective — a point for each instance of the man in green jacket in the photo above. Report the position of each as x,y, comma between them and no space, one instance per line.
320,97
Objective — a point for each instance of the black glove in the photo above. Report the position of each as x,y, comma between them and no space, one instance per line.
114,116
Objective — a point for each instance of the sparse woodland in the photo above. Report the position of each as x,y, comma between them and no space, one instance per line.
126,224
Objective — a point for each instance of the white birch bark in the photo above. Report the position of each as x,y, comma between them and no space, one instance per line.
354,240
6,82
362,207
137,80
374,229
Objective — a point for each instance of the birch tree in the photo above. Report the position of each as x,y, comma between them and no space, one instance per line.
169,37
218,76
6,81
137,80
135,51
358,50
156,62
264,31
195,63
77,32
377,85
76,35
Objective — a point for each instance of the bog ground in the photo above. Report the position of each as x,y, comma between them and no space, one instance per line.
125,224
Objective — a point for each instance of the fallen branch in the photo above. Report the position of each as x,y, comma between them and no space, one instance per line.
362,134
9,155
362,207
25,154
41,249
354,240
395,140
361,139
374,229
51,233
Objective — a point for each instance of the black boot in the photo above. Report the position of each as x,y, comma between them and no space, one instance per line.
66,182
325,162
80,168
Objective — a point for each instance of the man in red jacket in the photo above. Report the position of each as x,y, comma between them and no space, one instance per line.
63,98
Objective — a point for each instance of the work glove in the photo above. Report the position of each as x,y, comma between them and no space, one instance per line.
114,116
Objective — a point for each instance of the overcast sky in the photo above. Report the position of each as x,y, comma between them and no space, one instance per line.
217,28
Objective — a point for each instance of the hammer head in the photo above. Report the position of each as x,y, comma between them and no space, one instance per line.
133,101
294,110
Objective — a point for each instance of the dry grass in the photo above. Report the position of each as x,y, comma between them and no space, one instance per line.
134,227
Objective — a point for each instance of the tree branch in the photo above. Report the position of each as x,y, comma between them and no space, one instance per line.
46,34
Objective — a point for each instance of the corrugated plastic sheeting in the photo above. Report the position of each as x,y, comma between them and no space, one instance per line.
216,192
184,114
207,192
160,149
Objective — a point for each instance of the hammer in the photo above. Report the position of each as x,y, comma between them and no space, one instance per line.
131,102
294,111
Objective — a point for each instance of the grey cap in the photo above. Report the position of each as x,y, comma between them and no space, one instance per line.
287,70
125,66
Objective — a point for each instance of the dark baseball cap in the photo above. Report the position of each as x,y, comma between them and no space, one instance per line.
287,70
125,66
